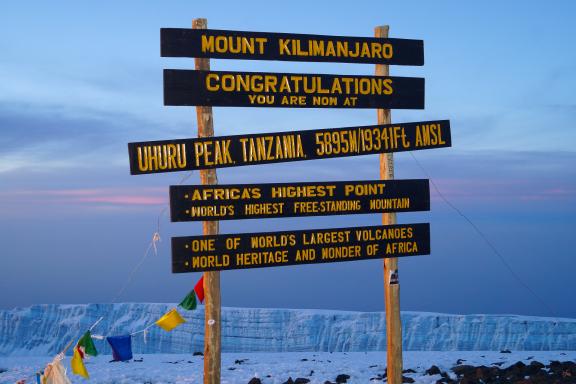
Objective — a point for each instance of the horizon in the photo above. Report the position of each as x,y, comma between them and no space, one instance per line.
79,82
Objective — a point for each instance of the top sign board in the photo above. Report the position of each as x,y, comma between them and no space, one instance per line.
220,44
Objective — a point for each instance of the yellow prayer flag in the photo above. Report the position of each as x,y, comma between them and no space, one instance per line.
170,320
77,364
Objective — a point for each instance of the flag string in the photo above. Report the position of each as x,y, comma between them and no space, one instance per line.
152,246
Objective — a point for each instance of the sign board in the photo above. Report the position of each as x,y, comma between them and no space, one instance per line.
274,249
234,151
264,89
253,201
220,44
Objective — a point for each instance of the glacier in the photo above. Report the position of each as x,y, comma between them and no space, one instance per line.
45,329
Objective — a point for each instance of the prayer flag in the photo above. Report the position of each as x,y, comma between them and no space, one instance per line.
170,320
189,302
78,367
199,289
121,347
86,345
54,373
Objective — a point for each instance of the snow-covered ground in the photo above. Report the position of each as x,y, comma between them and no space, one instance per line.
318,367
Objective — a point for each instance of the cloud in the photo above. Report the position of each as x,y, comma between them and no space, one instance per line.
58,199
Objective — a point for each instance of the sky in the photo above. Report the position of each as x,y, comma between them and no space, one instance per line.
79,80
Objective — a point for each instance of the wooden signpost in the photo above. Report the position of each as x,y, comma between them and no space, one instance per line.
259,201
262,89
264,148
209,202
219,44
276,249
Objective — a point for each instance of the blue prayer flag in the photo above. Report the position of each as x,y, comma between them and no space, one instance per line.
121,347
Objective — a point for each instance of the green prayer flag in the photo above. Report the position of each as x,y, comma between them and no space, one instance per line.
189,301
87,345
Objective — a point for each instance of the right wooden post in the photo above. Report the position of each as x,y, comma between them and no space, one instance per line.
391,284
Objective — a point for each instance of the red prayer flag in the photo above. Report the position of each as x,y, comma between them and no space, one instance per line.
199,289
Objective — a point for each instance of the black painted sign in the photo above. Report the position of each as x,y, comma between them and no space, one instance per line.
263,89
238,150
220,44
274,249
252,201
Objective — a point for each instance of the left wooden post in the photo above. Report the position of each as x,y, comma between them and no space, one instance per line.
212,341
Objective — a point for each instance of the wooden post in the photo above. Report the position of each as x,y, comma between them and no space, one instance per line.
212,341
391,285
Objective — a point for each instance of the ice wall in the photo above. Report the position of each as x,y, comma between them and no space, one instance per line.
44,329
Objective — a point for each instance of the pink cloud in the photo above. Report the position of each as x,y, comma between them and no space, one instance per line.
90,197
124,200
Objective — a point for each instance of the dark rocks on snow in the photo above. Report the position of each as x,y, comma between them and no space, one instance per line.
505,351
406,379
342,378
519,373
197,354
299,380
255,380
408,371
433,370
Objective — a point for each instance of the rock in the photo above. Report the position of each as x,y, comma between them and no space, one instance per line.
516,371
289,381
342,378
301,380
406,379
231,368
303,359
534,367
486,374
461,370
505,351
433,370
445,380
197,354
372,366
241,361
460,361
408,371
255,380
311,373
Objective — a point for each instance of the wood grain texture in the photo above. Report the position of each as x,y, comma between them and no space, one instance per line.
212,329
391,291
